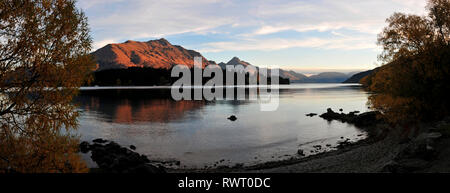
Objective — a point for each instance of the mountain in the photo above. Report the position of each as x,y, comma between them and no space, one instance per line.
357,77
293,76
161,54
235,61
325,77
157,54
350,74
328,77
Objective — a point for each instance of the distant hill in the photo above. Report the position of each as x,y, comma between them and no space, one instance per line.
293,76
357,77
353,73
325,77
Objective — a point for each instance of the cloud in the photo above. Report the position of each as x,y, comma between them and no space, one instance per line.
248,23
86,4
324,15
100,44
137,19
342,43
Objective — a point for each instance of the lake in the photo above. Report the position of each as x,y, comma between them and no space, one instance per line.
198,133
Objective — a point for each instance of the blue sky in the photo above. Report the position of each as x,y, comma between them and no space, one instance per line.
308,36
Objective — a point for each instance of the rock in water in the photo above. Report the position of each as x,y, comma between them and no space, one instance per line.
99,140
311,114
232,118
362,120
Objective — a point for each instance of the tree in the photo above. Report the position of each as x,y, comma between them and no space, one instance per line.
412,84
44,58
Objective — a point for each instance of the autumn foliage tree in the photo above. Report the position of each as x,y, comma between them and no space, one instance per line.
44,58
414,82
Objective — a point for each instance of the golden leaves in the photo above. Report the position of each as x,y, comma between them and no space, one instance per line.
412,85
44,59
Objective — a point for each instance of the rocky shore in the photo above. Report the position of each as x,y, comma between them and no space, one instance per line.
113,158
359,120
422,148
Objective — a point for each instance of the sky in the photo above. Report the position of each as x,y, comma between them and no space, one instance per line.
307,36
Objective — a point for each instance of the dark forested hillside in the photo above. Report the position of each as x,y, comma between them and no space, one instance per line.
137,76
359,76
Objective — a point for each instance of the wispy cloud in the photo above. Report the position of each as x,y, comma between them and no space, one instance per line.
236,25
344,43
99,44
89,4
138,19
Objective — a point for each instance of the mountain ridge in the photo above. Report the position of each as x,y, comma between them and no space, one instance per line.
359,76
327,77
161,54
158,54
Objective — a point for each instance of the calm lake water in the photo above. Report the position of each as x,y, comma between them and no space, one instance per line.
198,133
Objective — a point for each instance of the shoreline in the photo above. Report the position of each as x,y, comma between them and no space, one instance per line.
425,148
373,137
280,86
108,155
270,164
86,148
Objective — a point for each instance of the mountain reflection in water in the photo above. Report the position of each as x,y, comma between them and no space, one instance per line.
130,106
198,133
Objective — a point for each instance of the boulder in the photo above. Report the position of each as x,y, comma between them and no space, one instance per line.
232,118
113,158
